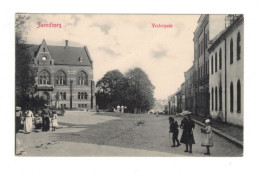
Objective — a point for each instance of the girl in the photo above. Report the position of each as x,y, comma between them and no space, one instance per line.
208,141
54,121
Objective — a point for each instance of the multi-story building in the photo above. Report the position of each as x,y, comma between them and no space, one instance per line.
226,79
208,27
189,92
65,75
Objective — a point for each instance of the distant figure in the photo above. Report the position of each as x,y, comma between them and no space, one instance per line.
46,115
54,121
28,121
18,119
118,108
175,131
97,108
187,138
125,110
122,109
208,142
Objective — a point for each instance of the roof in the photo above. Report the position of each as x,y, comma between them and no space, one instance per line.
67,55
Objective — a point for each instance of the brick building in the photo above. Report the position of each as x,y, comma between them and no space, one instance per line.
65,74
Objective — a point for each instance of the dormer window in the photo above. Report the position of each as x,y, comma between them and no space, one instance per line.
43,49
80,59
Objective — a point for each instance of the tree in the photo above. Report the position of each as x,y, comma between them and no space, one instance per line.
141,90
111,90
25,71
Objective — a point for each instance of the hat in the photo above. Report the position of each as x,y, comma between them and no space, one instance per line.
207,120
17,108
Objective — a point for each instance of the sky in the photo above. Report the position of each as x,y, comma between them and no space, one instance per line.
126,41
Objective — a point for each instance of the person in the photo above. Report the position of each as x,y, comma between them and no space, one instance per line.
54,120
208,142
118,108
175,131
187,138
28,126
122,109
18,119
46,114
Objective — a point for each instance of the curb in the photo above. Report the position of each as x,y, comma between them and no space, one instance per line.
228,137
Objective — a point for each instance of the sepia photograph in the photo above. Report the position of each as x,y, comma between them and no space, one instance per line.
129,85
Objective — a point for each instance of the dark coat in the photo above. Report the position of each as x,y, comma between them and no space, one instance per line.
174,127
187,135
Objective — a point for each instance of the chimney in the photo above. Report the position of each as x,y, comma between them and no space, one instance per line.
66,43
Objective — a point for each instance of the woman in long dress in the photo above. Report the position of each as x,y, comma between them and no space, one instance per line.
208,142
28,121
187,138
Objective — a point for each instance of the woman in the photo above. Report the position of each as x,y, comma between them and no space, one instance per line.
208,142
18,118
187,138
54,121
28,122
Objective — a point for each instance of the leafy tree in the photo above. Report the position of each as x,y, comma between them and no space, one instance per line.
111,90
25,71
141,90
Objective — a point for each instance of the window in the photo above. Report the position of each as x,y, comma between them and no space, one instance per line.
64,95
86,96
61,78
220,59
238,46
212,64
216,99
82,95
79,105
216,62
43,49
212,99
238,96
220,98
231,51
78,95
38,62
50,62
44,77
82,78
231,97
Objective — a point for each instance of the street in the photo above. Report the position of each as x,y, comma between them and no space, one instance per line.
84,133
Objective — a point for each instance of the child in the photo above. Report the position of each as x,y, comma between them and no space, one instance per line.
175,131
208,131
54,120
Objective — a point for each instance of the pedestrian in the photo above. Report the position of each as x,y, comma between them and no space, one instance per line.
28,126
175,131
187,138
208,142
46,114
18,119
122,109
118,108
54,120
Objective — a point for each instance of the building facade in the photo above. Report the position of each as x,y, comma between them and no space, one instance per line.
189,91
227,72
65,75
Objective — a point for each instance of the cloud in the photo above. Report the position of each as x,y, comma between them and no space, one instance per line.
108,51
103,27
159,53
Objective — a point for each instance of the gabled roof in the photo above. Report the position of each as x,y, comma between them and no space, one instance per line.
67,55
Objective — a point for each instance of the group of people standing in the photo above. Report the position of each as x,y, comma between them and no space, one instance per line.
187,138
26,120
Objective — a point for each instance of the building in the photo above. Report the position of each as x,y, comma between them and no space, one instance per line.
208,27
65,75
226,79
189,91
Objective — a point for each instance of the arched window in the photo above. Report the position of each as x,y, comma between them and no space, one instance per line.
216,99
238,46
212,64
212,99
220,59
238,96
231,97
220,98
44,77
86,96
82,78
231,51
78,95
216,62
82,95
64,95
61,78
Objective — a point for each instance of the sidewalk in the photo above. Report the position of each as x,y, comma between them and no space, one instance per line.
231,132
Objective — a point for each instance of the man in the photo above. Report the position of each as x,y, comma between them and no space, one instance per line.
46,114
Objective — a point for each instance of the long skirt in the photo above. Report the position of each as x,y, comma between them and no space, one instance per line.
45,124
187,138
17,124
55,123
28,126
208,140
